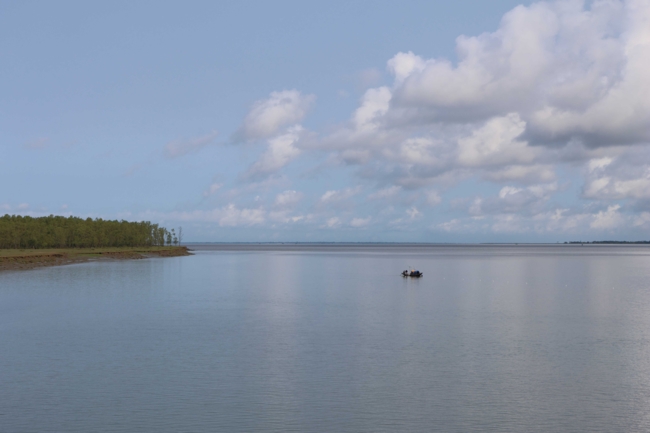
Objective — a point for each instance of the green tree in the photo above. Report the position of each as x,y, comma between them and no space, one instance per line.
60,232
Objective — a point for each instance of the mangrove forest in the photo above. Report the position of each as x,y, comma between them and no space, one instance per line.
21,232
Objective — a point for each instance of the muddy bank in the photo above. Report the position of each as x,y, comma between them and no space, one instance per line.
13,260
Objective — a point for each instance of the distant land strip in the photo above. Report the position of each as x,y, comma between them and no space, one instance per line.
28,243
608,242
20,232
24,259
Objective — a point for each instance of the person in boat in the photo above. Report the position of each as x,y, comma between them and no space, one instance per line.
405,273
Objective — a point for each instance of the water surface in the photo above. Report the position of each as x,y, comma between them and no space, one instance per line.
318,338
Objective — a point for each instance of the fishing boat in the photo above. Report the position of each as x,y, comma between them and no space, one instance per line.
412,273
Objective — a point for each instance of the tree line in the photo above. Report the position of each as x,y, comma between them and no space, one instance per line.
73,232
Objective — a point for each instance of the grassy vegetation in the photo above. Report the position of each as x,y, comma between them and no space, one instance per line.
87,251
16,259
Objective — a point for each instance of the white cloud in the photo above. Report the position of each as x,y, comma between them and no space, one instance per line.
283,216
559,89
374,104
642,220
495,143
402,65
339,195
558,84
450,226
288,198
568,71
226,216
522,173
419,151
608,219
332,223
508,223
268,116
599,163
360,222
177,148
558,221
413,213
511,200
608,188
624,177
404,222
508,190
232,216
280,151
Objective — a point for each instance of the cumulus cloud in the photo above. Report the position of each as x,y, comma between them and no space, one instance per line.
232,216
556,99
332,223
332,196
360,222
496,143
283,216
561,221
280,151
178,148
374,104
552,73
621,177
268,116
511,200
609,188
340,200
569,71
413,213
557,85
609,219
359,138
522,173
288,198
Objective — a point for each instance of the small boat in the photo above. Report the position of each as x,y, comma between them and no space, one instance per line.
412,273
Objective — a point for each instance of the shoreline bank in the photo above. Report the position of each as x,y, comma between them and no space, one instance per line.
26,259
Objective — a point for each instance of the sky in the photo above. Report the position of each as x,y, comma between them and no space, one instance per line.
359,121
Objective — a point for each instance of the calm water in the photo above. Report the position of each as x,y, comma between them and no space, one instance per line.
331,339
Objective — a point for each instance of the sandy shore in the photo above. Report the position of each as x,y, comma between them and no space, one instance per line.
12,260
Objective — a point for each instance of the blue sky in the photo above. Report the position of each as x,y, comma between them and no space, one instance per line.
427,121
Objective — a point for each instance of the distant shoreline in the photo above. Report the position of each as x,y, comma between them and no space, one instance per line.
199,244
25,259
412,248
608,242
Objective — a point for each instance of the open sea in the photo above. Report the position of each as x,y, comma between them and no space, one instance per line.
331,338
